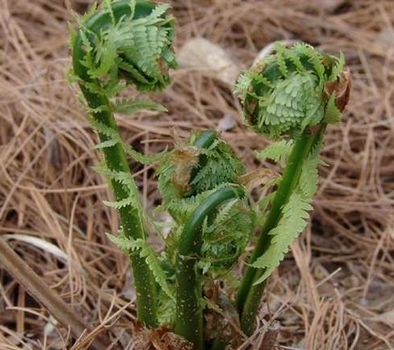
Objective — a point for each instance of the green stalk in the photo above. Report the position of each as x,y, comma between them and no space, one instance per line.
131,216
189,317
250,295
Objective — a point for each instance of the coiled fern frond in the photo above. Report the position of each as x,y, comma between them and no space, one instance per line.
290,96
128,40
125,42
200,166
188,175
293,89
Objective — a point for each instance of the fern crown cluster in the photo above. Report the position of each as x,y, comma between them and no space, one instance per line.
289,96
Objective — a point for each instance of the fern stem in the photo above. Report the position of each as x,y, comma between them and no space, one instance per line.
131,216
189,317
250,295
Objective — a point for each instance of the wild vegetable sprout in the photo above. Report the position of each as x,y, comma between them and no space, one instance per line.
290,96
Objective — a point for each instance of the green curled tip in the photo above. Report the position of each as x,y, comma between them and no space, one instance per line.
292,90
125,40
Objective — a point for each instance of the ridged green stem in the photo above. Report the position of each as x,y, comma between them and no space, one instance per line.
131,216
189,317
250,295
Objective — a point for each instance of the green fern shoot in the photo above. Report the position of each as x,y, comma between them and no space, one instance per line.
289,96
191,286
121,43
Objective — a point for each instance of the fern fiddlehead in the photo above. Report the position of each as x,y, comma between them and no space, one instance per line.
213,218
294,89
124,42
291,94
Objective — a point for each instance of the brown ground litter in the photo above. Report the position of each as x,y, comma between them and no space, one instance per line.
336,289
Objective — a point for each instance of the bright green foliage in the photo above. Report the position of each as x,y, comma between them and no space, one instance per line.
130,106
131,46
187,176
190,170
285,93
332,113
290,96
285,96
113,138
278,151
163,276
295,212
226,238
293,219
145,251
125,42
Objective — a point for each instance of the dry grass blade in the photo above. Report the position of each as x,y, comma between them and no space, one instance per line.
19,270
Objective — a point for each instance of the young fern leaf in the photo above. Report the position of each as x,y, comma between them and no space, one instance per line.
143,158
115,175
190,170
138,49
337,68
124,179
292,222
146,252
124,203
226,238
213,221
181,209
281,59
112,138
278,151
111,135
309,178
130,106
189,318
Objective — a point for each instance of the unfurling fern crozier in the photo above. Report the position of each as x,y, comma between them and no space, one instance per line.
120,43
290,96
293,89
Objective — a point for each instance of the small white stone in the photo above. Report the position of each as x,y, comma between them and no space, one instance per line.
201,54
226,123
